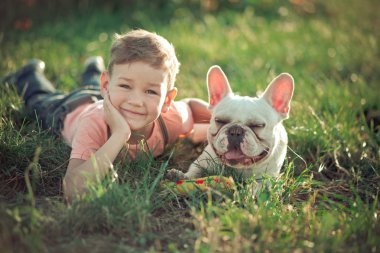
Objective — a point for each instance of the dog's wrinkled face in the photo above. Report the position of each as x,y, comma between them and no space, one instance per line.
242,129
240,132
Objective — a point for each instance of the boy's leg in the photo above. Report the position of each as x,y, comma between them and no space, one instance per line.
30,80
39,95
94,66
44,101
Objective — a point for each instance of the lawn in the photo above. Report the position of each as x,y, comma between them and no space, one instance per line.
326,199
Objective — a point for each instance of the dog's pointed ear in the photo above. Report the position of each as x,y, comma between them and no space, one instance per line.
279,93
218,86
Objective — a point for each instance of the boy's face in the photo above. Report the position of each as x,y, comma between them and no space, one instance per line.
139,92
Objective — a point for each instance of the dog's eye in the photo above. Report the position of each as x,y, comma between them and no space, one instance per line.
256,126
221,121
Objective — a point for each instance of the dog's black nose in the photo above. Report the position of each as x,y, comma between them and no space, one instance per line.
235,136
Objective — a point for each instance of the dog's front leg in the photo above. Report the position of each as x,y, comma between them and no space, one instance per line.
194,171
203,162
174,175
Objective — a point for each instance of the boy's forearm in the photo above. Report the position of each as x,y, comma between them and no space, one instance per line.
199,109
94,169
201,116
102,159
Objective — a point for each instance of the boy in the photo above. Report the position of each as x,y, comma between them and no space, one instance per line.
138,104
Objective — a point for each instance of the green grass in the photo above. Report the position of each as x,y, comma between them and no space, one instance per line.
326,199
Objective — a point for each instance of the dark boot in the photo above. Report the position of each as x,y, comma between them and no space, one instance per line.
94,66
30,80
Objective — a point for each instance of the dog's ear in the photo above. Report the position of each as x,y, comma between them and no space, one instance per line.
279,93
218,86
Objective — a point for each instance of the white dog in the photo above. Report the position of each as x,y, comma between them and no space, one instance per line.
245,133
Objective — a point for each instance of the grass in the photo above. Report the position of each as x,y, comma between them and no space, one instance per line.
326,199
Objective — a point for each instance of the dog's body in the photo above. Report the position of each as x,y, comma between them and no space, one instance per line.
245,133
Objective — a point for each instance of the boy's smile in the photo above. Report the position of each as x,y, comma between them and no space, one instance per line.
140,93
133,114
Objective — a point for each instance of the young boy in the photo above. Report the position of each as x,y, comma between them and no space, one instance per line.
138,104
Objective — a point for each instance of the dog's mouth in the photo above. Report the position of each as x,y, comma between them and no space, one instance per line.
236,157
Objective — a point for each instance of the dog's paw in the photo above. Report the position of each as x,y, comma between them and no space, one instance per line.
175,175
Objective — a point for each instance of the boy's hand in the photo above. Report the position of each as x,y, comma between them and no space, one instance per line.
115,120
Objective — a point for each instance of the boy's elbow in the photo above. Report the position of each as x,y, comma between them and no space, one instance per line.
72,186
68,189
72,181
73,190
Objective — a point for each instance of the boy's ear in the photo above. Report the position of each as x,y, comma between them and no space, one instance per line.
104,81
169,99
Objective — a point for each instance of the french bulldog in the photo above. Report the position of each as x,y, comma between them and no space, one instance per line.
245,133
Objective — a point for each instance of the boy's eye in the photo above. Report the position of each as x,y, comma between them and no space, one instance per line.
125,86
152,92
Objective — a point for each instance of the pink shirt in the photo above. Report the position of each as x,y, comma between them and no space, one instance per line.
85,129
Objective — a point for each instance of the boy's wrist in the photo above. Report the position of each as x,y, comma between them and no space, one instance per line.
122,135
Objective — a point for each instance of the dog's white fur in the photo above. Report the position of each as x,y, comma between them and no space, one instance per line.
245,133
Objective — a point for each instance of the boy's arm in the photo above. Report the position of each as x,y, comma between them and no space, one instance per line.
201,116
199,109
80,172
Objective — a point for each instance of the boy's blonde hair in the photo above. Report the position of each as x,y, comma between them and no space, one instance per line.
148,47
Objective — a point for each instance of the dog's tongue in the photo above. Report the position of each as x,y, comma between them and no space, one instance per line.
234,154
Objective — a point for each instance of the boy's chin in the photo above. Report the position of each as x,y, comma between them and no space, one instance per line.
140,128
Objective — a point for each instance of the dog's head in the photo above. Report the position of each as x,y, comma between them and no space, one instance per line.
244,130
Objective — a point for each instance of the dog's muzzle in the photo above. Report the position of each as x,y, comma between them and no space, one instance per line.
234,155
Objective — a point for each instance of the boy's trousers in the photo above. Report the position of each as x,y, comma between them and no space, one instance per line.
49,106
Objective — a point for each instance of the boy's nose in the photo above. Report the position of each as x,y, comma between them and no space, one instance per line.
136,99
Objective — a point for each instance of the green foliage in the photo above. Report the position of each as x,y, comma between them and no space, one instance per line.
326,199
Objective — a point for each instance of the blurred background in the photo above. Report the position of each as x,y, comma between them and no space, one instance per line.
270,35
24,14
